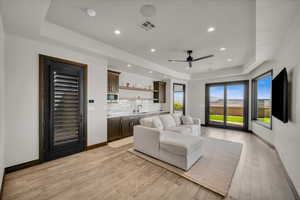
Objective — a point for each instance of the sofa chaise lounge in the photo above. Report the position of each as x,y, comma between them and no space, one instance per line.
171,138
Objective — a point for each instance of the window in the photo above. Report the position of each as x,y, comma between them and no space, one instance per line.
262,99
179,98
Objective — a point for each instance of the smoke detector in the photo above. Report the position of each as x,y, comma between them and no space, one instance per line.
148,10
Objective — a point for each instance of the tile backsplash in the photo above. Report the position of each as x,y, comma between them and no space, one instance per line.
127,106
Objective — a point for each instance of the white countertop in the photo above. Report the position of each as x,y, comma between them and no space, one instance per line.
134,114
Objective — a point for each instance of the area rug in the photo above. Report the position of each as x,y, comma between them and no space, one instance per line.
214,170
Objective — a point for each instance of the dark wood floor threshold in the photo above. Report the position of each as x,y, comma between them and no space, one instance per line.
288,178
94,146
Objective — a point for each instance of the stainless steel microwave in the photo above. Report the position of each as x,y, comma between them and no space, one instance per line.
112,98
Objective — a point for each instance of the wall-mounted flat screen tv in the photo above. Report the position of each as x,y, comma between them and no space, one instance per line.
280,96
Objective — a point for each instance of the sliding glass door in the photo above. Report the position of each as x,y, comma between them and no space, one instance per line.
227,104
216,105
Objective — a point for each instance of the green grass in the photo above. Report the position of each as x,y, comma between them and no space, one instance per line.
237,119
265,120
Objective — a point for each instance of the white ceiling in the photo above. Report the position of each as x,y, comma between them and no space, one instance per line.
118,65
180,25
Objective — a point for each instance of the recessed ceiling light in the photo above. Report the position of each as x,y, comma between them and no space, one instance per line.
229,59
222,49
187,68
117,32
150,72
152,50
129,65
211,29
91,12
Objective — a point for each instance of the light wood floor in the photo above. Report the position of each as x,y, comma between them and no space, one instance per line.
113,173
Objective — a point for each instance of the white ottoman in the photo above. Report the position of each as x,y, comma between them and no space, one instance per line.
180,150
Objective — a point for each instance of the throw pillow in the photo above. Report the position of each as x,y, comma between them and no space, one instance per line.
157,123
167,121
177,118
187,120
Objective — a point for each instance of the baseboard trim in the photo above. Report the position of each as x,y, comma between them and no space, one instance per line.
35,162
94,146
21,166
2,186
288,178
265,141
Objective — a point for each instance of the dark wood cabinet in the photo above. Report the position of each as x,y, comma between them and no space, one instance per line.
112,81
134,121
121,127
125,123
114,129
159,93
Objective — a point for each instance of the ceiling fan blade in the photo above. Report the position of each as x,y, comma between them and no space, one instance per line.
177,60
204,57
190,64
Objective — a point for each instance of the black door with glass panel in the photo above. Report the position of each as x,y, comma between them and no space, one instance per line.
227,104
179,98
64,109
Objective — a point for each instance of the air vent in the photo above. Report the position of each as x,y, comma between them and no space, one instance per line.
147,26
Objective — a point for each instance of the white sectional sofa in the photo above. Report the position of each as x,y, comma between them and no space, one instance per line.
171,138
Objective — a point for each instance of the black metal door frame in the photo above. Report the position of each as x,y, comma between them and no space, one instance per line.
246,104
184,92
44,89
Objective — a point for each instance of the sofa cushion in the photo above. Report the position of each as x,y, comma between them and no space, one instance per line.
179,144
157,123
168,121
177,118
187,120
147,121
180,129
193,129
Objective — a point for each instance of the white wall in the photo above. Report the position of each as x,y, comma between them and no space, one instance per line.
21,96
286,137
196,96
1,100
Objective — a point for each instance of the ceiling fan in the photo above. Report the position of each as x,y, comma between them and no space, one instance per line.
190,59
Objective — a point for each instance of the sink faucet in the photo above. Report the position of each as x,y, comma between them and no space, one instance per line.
139,108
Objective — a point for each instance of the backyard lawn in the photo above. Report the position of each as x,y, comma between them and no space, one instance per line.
237,119
265,120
